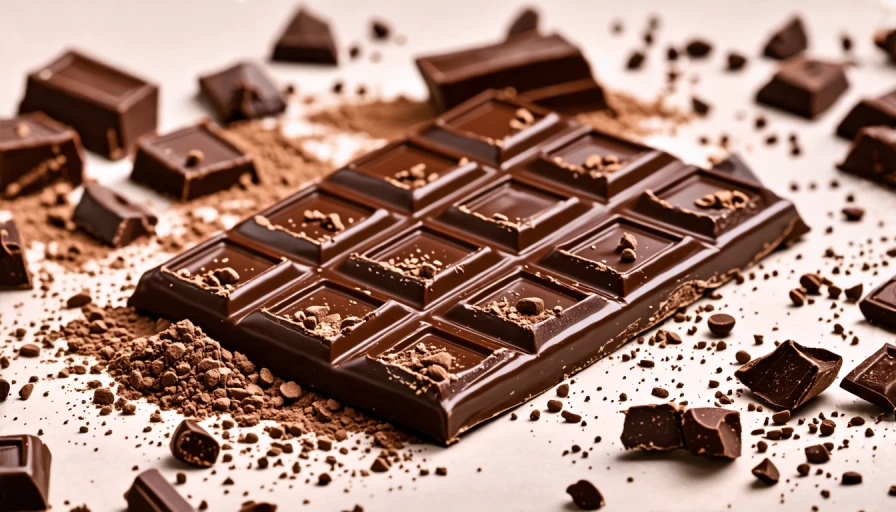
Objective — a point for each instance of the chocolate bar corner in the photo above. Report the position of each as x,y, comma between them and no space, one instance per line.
24,473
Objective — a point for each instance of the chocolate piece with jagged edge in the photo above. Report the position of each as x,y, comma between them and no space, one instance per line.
804,87
712,432
767,472
524,22
879,111
242,91
874,379
36,151
14,272
546,68
791,375
879,306
191,443
307,39
653,427
873,155
452,274
112,218
788,41
886,40
109,108
191,162
24,473
150,492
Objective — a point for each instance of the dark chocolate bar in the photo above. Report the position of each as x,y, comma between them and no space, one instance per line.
306,39
36,151
14,273
191,162
805,87
880,111
109,108
547,66
112,218
874,379
242,91
24,473
462,269
873,155
150,492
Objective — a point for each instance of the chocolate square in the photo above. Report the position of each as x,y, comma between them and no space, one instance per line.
24,473
873,155
14,273
242,91
874,379
805,87
880,111
111,217
191,162
306,39
109,108
35,151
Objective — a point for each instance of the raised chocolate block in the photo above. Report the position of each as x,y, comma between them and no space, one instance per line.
242,91
874,379
14,273
191,162
36,151
111,217
873,155
24,473
805,87
456,272
109,108
306,39
150,492
880,111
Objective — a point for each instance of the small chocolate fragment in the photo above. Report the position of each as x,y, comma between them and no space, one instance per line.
585,495
307,39
191,162
853,213
652,427
110,109
854,293
804,87
14,272
24,473
767,472
36,151
712,431
879,111
736,61
150,492
873,155
111,217
242,91
700,107
525,21
886,41
851,478
698,48
721,324
817,454
190,443
787,41
635,60
874,379
791,375
879,306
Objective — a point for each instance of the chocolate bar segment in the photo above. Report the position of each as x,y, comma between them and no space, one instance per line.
712,431
874,379
306,39
150,492
24,473
242,91
880,111
873,155
879,306
804,87
36,151
111,217
439,292
653,428
14,272
109,108
191,162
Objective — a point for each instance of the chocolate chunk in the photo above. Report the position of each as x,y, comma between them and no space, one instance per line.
736,61
36,151
698,48
190,443
150,492
652,427
788,41
585,495
530,306
766,472
854,293
110,109
853,213
191,162
14,272
879,111
851,478
525,21
791,375
874,379
380,30
242,91
307,39
886,41
635,60
721,324
781,417
873,155
804,87
112,218
700,107
712,432
817,454
24,473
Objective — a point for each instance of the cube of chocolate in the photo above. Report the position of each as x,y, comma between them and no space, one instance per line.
108,107
111,217
36,151
242,91
805,87
24,473
14,273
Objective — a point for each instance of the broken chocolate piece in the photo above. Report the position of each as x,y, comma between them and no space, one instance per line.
150,492
787,41
585,495
791,375
873,155
111,217
525,21
767,472
14,272
874,379
879,306
886,40
36,151
24,473
721,324
805,87
817,454
307,39
712,431
191,443
652,427
242,91
879,111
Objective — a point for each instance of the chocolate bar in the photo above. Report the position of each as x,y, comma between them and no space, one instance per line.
36,151
306,39
880,111
874,380
547,68
150,492
112,218
873,155
805,87
24,473
14,273
242,91
191,162
468,266
109,108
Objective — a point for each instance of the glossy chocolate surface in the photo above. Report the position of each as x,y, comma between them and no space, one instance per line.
242,91
874,379
35,151
509,269
879,111
24,473
873,155
805,87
